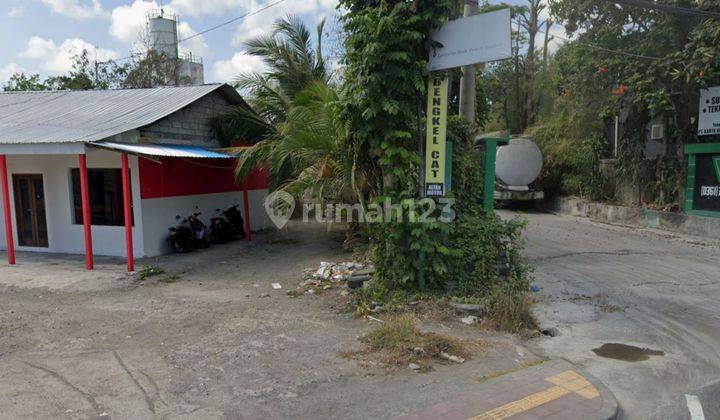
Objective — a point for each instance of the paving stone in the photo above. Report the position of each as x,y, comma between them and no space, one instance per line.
554,390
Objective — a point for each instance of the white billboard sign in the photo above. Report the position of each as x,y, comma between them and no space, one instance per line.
476,39
709,121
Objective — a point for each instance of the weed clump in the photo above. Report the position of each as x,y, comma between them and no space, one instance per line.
510,310
150,271
400,343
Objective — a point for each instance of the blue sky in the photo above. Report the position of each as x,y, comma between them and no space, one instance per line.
40,36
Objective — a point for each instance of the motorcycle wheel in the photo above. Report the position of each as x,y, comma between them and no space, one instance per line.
179,248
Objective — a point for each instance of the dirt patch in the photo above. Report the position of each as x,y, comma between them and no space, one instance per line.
198,341
601,301
399,343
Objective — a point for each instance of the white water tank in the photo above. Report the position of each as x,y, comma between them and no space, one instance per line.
162,30
518,164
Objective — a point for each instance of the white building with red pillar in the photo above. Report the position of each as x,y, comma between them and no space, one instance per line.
107,172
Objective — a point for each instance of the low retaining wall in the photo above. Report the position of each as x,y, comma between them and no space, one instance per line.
707,227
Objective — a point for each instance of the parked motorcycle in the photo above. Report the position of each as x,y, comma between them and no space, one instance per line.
189,234
221,230
181,238
234,216
199,230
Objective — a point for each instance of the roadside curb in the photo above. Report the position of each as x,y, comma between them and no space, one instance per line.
611,408
555,389
679,223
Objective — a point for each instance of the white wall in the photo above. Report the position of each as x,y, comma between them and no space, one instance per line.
63,235
152,217
158,214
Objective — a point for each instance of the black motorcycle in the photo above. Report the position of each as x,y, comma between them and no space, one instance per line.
189,234
234,217
199,231
181,238
221,230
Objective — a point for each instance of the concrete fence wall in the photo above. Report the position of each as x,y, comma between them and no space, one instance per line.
707,227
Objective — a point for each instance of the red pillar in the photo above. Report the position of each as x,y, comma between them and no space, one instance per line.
127,200
6,208
85,194
246,206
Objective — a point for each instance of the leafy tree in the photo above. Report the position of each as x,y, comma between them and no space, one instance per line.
649,64
512,85
23,82
153,69
386,71
84,75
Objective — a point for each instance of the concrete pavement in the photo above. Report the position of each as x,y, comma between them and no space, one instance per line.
552,390
651,297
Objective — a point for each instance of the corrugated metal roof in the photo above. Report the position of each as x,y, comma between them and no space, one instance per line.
166,150
87,116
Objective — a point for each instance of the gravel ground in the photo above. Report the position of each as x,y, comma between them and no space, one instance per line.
200,342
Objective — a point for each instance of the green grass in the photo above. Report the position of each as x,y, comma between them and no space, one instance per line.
150,271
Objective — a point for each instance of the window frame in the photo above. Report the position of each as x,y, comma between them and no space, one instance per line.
115,218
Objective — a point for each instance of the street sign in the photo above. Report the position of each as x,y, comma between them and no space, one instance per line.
709,121
435,150
476,39
706,194
702,192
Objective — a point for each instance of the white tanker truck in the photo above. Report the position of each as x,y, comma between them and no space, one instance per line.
517,166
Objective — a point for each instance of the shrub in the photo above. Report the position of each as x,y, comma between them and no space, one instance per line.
509,307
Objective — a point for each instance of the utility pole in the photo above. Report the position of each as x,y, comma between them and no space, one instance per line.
467,81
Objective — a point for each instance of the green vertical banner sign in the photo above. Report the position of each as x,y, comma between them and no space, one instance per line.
435,151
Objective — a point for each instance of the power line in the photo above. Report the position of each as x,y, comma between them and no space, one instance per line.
643,4
598,47
269,5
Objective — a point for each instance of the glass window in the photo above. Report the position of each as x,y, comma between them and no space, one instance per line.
106,197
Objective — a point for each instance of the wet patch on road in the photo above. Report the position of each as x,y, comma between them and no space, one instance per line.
626,352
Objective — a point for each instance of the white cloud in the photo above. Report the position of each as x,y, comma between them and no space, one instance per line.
228,70
9,70
261,23
16,11
58,59
128,22
76,9
196,8
196,45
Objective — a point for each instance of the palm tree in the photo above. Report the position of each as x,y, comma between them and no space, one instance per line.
292,64
310,150
296,114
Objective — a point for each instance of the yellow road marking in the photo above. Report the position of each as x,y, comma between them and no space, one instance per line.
565,383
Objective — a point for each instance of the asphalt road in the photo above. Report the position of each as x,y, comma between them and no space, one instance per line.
604,284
